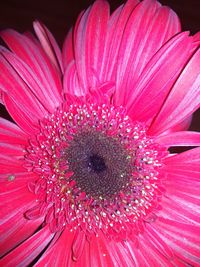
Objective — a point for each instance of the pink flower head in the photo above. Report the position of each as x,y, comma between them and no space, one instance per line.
87,177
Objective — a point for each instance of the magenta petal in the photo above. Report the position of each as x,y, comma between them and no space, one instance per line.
25,253
182,181
29,84
143,36
89,42
68,49
181,237
11,133
21,116
183,99
49,45
179,139
190,157
15,199
158,77
154,257
59,253
71,83
102,254
34,56
78,245
19,230
13,85
115,28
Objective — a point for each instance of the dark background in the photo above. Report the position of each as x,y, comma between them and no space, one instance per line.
60,15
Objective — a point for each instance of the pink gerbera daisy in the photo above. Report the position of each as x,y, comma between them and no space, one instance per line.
87,177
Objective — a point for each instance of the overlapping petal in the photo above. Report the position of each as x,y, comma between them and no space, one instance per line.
32,86
49,45
25,253
98,43
183,99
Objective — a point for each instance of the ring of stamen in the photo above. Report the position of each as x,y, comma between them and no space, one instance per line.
110,146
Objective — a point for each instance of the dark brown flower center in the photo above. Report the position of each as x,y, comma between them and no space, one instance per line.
100,164
96,163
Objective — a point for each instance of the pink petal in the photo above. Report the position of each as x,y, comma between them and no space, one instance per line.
25,253
188,158
179,139
158,77
139,255
15,199
37,60
71,83
89,42
29,80
49,45
15,231
68,49
102,254
147,29
181,237
14,88
182,126
11,164
78,245
183,99
62,250
181,200
115,28
21,116
11,150
68,46
11,133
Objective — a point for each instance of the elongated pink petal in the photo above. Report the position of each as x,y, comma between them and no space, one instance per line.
22,117
68,49
68,53
36,58
15,199
182,126
138,253
181,237
10,149
158,78
11,133
181,199
116,27
89,43
78,245
71,83
25,253
11,164
49,45
102,254
16,230
183,100
29,81
15,88
62,251
186,158
142,38
184,138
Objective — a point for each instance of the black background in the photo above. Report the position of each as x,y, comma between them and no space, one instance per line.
60,15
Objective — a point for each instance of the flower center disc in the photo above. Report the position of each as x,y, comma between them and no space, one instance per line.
96,163
96,170
100,164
